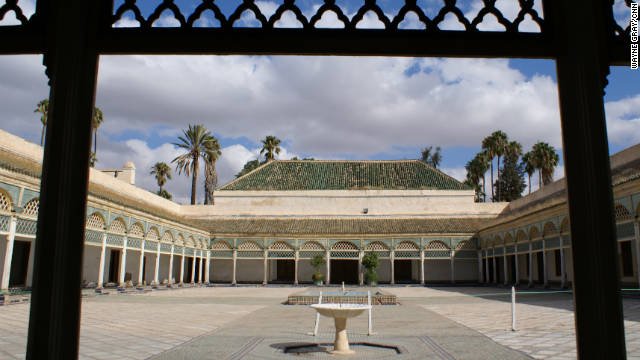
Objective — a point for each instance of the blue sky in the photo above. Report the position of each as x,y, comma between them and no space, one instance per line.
323,107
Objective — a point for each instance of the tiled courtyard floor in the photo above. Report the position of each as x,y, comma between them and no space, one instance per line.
250,323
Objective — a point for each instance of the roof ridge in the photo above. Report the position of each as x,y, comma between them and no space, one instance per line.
250,172
441,172
338,161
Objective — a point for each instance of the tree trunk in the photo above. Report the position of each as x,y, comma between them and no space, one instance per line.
211,181
42,136
529,184
95,142
540,183
194,180
498,184
493,197
484,188
214,183
206,183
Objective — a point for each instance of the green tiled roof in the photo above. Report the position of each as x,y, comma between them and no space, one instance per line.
345,175
344,226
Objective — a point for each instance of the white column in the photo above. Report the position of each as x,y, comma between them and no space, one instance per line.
563,273
328,279
295,268
200,268
422,267
207,267
452,264
103,250
265,266
182,267
8,254
480,267
123,262
504,265
171,280
392,255
530,255
544,263
515,263
193,267
141,264
360,273
157,265
636,227
234,257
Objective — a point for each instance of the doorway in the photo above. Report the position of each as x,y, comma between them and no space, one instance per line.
188,264
402,271
285,270
19,263
540,266
114,266
344,270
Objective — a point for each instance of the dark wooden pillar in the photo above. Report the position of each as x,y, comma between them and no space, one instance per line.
72,62
581,40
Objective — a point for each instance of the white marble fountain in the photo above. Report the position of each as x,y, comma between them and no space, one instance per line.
340,313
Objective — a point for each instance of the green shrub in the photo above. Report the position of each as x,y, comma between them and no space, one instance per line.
371,277
317,261
370,261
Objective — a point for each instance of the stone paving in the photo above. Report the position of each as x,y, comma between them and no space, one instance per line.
251,323
544,322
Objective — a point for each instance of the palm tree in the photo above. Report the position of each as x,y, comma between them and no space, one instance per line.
195,142
494,145
92,159
474,172
431,159
513,148
270,145
501,142
96,121
546,160
43,108
529,165
210,172
162,172
482,164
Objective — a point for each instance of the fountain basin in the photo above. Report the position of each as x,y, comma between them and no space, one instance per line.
340,313
340,310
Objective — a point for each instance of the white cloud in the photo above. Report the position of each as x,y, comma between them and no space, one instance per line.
113,155
623,120
328,105
459,173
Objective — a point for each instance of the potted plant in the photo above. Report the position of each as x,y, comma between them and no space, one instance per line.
317,262
370,262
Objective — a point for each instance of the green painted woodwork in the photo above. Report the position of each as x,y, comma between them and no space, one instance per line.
28,195
13,191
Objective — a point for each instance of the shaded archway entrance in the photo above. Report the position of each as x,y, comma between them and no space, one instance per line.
402,271
285,270
19,264
344,270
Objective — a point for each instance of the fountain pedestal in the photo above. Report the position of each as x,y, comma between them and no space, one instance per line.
340,313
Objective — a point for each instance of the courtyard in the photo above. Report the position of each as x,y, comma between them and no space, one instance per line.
249,322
